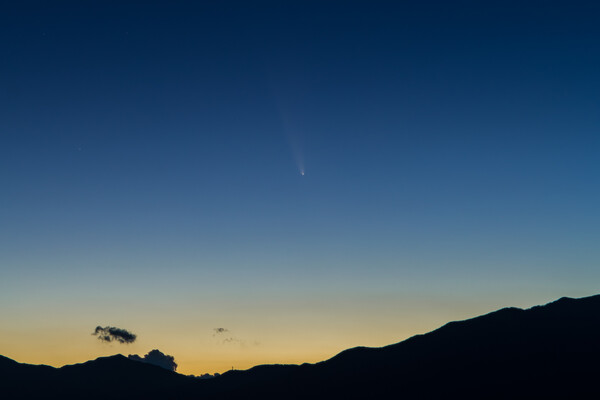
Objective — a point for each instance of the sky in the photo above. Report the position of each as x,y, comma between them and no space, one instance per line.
307,175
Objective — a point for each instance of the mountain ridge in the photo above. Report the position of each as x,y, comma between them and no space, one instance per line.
543,351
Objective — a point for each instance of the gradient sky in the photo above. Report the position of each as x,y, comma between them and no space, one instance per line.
150,157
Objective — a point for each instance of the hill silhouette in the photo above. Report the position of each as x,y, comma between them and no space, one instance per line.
550,351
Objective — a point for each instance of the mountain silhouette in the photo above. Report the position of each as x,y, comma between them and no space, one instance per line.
550,351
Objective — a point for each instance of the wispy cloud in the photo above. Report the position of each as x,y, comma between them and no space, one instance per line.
227,338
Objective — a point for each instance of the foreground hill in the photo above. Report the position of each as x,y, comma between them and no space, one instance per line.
550,351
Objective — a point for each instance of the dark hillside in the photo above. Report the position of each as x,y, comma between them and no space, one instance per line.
549,351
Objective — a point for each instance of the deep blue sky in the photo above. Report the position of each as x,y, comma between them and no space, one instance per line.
149,151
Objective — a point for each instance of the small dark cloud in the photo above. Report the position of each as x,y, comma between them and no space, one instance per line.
158,358
111,334
220,330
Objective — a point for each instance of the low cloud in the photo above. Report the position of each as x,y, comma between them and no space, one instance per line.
111,334
205,376
158,358
220,330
